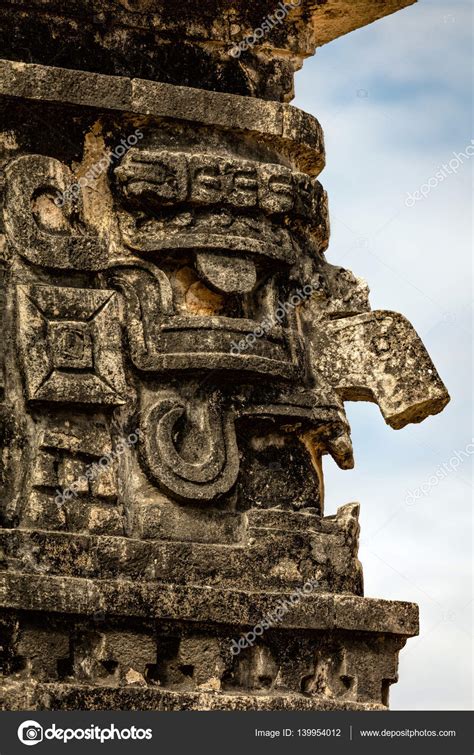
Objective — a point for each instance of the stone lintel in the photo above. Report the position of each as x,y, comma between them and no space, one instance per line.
69,595
295,131
30,695
334,18
261,558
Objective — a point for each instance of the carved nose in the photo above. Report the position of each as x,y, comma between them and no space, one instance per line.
227,273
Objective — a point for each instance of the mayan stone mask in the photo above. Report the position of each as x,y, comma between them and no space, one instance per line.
176,355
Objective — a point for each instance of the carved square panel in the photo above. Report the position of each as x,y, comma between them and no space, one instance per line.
69,341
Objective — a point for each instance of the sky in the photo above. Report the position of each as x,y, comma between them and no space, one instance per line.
395,102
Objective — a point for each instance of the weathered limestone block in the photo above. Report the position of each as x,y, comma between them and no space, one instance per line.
175,354
275,552
76,357
379,357
41,651
194,662
333,664
361,671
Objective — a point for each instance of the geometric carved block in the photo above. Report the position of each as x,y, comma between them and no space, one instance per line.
42,650
69,340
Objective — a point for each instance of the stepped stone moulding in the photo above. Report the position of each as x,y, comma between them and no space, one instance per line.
175,355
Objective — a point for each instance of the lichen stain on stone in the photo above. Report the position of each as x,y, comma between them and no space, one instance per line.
97,197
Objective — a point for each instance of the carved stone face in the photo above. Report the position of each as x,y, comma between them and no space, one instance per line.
226,241
201,310
176,356
232,238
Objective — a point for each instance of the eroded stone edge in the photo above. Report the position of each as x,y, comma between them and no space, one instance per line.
299,132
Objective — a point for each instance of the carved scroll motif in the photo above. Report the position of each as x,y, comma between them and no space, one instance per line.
38,229
190,447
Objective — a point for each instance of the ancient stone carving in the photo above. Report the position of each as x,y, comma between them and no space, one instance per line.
207,464
169,179
70,345
175,329
379,357
2,315
41,231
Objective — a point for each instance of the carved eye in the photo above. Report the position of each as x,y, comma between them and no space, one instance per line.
246,180
208,177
